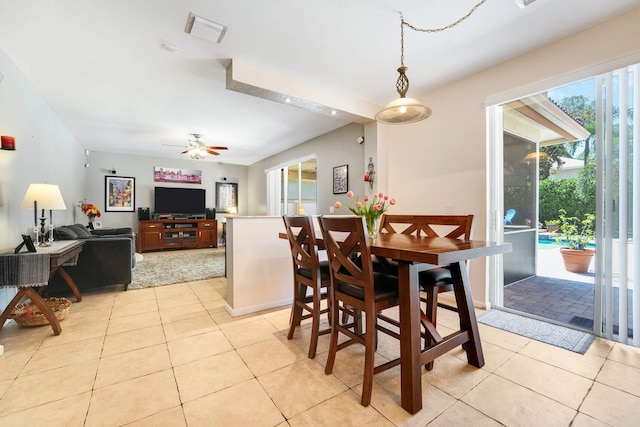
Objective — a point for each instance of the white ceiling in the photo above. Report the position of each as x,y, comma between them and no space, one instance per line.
101,66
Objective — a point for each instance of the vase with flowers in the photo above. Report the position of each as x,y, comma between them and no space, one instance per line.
91,211
371,209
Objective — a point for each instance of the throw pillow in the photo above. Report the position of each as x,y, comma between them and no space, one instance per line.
81,231
64,233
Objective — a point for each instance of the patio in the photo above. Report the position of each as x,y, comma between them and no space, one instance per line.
558,295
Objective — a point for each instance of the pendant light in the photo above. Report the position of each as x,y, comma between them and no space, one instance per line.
408,110
403,110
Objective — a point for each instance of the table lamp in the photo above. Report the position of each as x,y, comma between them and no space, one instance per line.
45,196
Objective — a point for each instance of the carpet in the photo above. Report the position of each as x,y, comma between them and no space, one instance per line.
169,267
559,336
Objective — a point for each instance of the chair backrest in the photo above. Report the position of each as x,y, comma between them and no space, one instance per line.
302,240
347,244
452,226
509,216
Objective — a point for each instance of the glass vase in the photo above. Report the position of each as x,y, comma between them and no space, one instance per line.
372,227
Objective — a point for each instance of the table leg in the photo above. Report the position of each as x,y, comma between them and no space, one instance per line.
70,283
38,301
468,322
410,343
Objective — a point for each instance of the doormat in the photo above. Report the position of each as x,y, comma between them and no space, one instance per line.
549,333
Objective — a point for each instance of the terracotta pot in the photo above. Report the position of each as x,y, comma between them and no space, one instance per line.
575,260
552,228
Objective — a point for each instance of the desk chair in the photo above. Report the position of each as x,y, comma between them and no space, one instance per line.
356,285
309,274
435,280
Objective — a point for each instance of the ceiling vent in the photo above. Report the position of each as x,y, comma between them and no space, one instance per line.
205,29
523,3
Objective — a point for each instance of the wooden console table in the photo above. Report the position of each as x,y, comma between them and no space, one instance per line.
177,234
61,253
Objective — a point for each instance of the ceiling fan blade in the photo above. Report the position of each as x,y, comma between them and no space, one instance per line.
215,153
185,151
172,145
214,147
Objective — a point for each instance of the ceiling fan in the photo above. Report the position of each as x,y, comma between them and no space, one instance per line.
196,148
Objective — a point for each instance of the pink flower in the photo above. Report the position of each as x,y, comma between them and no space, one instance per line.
359,205
365,198
338,205
381,195
378,207
349,193
392,201
386,197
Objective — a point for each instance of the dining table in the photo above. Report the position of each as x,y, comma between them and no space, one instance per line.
414,254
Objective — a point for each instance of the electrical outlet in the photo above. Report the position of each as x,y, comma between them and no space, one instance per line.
448,210
331,209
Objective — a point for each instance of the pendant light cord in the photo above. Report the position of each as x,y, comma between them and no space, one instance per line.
431,30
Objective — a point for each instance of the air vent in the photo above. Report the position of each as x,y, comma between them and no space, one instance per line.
205,29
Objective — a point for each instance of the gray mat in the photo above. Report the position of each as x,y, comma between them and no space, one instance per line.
559,336
169,267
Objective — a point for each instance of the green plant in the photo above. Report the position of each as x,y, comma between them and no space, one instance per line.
553,222
574,233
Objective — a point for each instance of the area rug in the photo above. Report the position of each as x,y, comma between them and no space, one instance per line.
549,333
169,267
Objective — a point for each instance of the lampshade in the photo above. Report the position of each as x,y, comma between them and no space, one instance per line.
48,197
533,156
403,110
233,210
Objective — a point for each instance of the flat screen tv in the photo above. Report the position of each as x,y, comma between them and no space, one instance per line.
171,200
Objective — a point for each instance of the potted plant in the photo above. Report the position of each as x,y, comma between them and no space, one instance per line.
576,235
553,225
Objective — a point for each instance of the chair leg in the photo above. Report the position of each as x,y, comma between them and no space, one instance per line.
300,291
369,354
333,345
315,324
431,312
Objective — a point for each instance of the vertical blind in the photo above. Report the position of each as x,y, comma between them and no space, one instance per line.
618,205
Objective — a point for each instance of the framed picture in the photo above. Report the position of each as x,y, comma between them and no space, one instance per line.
120,194
97,224
186,176
340,179
226,197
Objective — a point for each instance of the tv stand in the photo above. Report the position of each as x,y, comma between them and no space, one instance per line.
159,234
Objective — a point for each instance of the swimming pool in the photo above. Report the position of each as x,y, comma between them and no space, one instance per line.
550,243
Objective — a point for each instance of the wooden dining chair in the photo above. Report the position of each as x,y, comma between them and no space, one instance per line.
355,285
309,274
436,280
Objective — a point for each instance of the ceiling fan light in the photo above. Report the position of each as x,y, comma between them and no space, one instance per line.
403,111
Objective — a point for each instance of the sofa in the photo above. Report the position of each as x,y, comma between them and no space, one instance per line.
107,259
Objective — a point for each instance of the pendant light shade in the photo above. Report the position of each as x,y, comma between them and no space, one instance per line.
402,111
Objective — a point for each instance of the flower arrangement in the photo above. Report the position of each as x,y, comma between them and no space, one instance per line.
370,209
90,210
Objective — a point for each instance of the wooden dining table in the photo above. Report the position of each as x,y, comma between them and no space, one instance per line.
414,254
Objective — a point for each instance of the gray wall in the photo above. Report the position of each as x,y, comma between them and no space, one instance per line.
46,152
332,149
141,168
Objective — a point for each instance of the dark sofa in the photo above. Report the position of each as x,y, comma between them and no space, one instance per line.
107,259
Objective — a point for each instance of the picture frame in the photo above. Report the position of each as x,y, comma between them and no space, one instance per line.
97,224
120,194
26,241
184,176
340,179
226,197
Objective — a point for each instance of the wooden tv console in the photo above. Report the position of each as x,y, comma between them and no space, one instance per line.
161,234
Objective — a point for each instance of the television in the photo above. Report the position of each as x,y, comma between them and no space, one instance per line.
173,200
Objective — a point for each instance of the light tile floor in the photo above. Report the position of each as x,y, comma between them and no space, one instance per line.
172,356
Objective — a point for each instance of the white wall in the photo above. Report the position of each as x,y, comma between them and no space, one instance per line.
439,165
332,149
45,151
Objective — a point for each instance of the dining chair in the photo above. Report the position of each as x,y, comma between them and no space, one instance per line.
309,274
355,285
436,280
